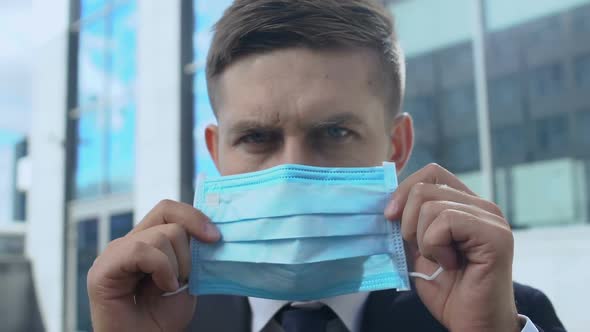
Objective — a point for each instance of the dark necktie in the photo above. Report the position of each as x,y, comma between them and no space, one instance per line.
305,320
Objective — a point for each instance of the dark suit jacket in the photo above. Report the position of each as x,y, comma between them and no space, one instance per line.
386,310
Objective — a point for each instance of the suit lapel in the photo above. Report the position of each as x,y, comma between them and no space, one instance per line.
221,313
385,311
390,310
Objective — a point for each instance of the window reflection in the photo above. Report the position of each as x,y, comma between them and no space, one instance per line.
86,253
552,137
121,224
546,80
106,98
582,71
207,12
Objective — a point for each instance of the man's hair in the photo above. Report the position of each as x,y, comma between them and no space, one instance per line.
260,26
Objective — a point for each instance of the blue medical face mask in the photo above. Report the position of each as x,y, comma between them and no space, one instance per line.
297,232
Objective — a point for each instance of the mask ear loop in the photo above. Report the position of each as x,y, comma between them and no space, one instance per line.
412,274
178,291
427,277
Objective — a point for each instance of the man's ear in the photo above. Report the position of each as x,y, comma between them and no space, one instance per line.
212,140
402,140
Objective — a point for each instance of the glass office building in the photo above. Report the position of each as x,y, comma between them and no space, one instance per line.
102,119
537,58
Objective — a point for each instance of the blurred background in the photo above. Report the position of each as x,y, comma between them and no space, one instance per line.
103,105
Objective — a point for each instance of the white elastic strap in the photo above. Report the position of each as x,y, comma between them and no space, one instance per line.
178,291
425,276
412,274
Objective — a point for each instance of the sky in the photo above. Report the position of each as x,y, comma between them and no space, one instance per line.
15,69
15,90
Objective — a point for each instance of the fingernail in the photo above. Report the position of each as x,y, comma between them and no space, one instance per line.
212,231
175,284
391,209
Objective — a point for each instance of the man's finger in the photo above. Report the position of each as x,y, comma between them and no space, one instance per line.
161,237
140,258
433,174
454,233
422,193
191,219
178,240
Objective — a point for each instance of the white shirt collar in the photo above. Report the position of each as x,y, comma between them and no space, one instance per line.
349,308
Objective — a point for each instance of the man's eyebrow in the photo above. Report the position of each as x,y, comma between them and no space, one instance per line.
337,119
249,125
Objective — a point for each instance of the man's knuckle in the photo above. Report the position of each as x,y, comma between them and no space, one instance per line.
506,233
428,242
175,230
429,207
138,248
159,240
165,204
419,190
447,215
494,208
433,167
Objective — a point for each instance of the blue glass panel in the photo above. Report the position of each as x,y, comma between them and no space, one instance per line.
206,14
90,7
552,136
92,69
582,71
123,69
583,134
121,152
121,224
547,80
106,126
122,107
86,252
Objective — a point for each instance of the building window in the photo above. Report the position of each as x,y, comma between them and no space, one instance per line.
207,12
106,99
86,253
459,101
546,81
545,33
456,64
509,145
505,97
422,111
19,203
583,131
552,136
462,154
581,22
420,75
422,155
582,71
12,245
458,111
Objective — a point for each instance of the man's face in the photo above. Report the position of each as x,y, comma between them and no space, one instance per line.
298,106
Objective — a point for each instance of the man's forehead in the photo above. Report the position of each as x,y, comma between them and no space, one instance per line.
294,69
273,119
298,86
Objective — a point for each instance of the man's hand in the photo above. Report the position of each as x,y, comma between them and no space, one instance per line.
127,280
446,223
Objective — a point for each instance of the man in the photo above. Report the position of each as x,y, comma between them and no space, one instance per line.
320,82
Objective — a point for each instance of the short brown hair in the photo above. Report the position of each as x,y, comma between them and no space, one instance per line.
258,26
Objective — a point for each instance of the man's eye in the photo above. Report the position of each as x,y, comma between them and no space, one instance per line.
256,138
337,132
